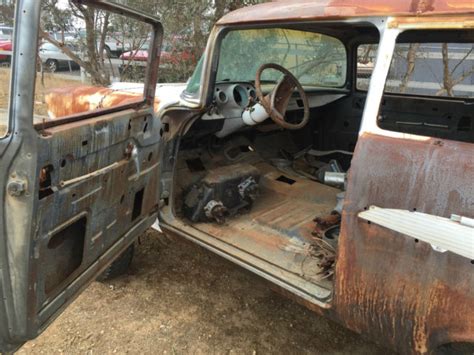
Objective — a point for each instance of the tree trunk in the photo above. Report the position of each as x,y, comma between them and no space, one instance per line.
447,77
84,64
411,62
103,35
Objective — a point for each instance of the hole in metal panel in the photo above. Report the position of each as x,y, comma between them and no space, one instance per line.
137,204
63,254
195,165
45,181
286,180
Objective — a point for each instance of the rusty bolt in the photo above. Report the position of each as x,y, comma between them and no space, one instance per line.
16,188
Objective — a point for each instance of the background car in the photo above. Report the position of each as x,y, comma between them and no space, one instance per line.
170,54
6,33
64,37
5,46
114,44
54,59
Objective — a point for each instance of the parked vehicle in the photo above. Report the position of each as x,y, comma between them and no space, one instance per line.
6,33
54,59
5,46
114,44
139,55
356,201
66,37
170,55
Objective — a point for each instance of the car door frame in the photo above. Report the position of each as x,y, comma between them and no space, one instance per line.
400,290
22,315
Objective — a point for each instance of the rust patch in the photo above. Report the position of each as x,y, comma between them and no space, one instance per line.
421,6
67,101
325,222
399,291
330,9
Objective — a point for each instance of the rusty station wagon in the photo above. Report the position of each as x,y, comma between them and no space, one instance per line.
327,146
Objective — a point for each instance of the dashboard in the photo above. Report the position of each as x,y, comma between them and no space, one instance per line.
231,99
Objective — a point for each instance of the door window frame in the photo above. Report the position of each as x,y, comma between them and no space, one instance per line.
389,33
24,56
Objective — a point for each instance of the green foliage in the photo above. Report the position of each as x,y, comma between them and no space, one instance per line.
187,25
54,18
7,14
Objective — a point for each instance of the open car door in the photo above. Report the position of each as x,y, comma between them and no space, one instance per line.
76,191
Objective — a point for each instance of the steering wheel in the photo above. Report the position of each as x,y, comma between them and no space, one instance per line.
276,102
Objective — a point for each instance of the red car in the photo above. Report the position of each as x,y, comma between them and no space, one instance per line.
169,55
5,46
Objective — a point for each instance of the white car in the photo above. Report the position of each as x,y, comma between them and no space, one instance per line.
54,59
6,33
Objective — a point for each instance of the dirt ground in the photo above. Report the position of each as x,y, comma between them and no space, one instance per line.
178,298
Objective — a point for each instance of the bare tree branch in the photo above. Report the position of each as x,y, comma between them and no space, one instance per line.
462,60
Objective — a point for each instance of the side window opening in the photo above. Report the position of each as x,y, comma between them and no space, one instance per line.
430,85
366,55
6,45
439,69
90,60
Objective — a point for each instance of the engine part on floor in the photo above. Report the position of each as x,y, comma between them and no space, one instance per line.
222,193
215,210
250,117
335,179
333,166
340,202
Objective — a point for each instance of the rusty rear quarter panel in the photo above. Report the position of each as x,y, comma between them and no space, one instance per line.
401,292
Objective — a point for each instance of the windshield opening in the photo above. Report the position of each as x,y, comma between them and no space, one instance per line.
317,60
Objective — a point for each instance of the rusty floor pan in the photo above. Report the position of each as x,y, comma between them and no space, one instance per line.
278,227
